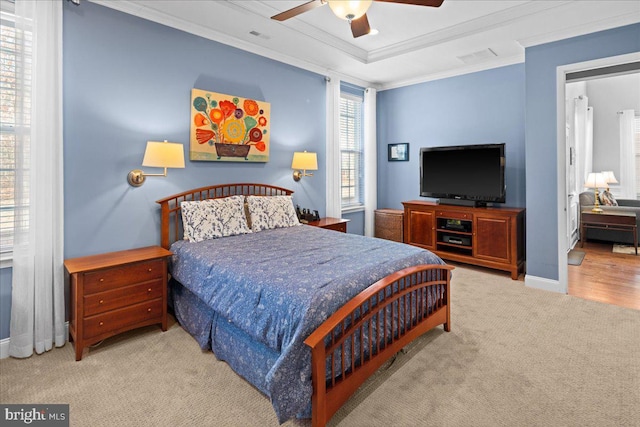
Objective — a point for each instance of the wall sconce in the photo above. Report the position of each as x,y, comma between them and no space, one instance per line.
302,162
158,155
595,181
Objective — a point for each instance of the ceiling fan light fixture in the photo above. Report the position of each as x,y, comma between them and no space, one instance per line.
349,9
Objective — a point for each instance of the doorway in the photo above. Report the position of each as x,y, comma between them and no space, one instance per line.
566,200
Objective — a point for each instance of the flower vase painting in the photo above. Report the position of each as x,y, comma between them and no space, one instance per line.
226,128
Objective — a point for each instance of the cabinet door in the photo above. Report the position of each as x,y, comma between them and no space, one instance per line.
492,238
422,226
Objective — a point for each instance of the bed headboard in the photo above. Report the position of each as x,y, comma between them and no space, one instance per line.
171,221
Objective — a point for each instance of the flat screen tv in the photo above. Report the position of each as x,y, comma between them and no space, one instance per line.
464,174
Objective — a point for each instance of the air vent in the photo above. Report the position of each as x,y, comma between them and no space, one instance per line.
479,56
257,34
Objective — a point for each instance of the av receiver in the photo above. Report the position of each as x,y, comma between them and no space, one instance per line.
457,240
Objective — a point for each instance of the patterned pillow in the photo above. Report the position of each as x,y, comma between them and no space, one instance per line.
607,199
213,218
269,212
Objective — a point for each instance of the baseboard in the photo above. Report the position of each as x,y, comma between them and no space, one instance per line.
543,283
4,344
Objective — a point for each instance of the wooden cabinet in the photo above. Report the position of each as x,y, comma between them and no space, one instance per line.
336,224
488,237
116,292
389,224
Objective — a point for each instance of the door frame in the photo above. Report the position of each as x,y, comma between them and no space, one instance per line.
563,211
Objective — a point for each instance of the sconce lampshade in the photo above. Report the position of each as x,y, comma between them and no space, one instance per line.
302,162
305,161
163,155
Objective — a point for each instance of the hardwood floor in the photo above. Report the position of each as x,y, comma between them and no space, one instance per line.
606,276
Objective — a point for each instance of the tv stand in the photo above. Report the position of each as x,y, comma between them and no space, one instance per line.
488,237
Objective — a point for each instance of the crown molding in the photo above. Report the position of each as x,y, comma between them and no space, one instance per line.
488,65
464,29
132,8
580,30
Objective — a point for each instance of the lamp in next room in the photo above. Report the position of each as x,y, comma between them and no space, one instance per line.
596,180
158,155
609,178
302,162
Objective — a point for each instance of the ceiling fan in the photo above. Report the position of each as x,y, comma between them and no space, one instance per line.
353,11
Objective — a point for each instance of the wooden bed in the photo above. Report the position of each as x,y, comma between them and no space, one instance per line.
398,300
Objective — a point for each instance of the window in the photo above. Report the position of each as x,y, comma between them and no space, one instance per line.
15,63
351,152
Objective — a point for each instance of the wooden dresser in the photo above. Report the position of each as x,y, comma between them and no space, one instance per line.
115,292
389,224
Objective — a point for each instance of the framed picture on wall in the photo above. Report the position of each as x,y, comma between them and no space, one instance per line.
399,152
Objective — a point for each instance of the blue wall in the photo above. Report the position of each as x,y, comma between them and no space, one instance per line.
541,162
483,107
128,80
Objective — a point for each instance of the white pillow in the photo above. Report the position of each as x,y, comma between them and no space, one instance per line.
213,218
269,212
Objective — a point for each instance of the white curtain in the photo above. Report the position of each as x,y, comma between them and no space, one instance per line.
37,306
334,206
583,133
370,160
627,155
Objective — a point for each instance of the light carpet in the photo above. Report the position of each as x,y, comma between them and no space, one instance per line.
515,356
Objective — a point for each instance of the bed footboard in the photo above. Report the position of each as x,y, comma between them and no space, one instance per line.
356,340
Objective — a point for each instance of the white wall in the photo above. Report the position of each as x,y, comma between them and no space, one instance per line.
608,96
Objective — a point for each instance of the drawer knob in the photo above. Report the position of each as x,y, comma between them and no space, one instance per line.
149,290
101,301
101,279
148,310
101,323
149,270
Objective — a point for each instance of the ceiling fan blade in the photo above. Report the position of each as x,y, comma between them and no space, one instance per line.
305,7
432,3
360,26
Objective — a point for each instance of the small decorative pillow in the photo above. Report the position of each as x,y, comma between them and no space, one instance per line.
213,218
269,212
607,199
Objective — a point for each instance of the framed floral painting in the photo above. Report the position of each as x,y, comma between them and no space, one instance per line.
226,128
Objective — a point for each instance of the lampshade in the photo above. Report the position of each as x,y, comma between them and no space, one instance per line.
609,177
595,180
304,161
163,155
350,9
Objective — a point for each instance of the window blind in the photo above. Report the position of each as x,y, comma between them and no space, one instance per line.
351,152
15,107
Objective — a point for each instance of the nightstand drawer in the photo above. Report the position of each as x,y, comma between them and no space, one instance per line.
121,297
103,280
118,319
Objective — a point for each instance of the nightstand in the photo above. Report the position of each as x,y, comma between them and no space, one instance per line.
115,292
337,224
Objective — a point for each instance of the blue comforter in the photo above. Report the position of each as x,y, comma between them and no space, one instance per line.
277,286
